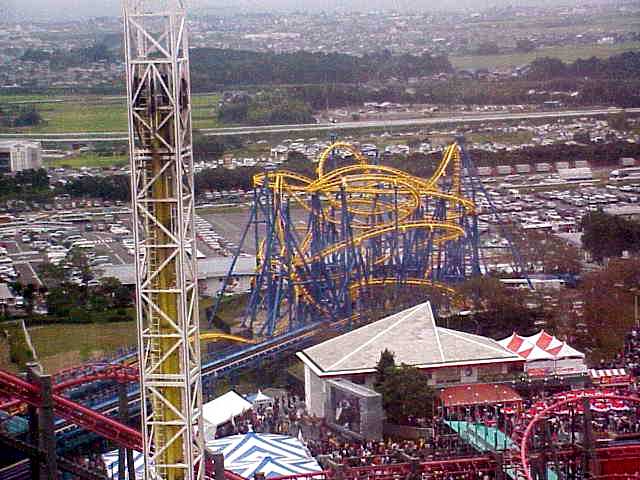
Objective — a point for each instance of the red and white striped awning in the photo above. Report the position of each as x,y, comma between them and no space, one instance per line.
607,372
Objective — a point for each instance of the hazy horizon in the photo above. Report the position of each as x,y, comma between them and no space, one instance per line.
77,9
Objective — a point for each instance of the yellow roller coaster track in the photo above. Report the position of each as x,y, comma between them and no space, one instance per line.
363,184
218,337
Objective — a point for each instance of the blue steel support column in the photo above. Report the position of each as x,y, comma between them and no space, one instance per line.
518,265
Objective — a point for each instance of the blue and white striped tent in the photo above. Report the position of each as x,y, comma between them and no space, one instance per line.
111,462
246,455
273,455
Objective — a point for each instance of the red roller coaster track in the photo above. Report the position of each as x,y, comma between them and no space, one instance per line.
20,391
524,444
84,417
76,376
74,412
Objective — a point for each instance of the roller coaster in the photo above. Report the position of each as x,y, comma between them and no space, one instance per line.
528,458
332,243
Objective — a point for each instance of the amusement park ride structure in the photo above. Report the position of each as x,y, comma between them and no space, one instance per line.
161,156
367,227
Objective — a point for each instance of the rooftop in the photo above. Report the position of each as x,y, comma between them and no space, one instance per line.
478,394
413,337
212,267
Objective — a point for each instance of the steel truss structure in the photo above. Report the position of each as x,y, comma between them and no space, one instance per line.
366,228
159,105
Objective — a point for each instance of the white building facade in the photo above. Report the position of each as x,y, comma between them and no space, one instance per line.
19,155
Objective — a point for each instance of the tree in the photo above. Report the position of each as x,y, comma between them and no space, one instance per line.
386,365
607,236
525,45
52,275
406,394
29,298
116,294
78,262
497,310
546,68
609,306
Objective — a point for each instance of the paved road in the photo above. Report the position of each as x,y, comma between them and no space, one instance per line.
462,118
408,122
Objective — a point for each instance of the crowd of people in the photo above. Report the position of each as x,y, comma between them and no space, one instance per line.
337,448
281,415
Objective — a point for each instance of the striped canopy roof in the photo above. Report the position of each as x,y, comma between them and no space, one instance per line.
246,455
541,346
273,455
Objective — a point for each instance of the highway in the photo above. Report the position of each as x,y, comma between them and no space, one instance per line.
410,122
78,137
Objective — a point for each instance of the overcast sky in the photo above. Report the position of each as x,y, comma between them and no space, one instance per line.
55,9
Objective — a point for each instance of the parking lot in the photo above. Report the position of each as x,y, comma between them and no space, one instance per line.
104,233
104,237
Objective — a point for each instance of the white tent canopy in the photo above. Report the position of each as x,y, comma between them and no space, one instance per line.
224,408
545,354
536,353
541,346
259,398
566,351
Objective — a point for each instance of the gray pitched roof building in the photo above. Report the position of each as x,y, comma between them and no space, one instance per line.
414,338
448,357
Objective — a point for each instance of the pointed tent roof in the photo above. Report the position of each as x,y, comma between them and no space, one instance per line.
259,397
566,351
273,455
536,347
537,353
414,338
525,348
512,343
543,340
223,408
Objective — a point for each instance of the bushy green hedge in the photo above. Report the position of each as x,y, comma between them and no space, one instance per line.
80,315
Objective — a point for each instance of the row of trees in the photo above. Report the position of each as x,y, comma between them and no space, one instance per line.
267,109
71,297
496,308
609,296
62,59
14,116
213,67
218,179
116,187
24,185
623,66
111,187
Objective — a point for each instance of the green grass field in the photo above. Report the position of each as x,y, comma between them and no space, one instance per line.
60,346
90,160
567,54
99,114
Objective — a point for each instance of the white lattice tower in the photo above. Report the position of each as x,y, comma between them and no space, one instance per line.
159,105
